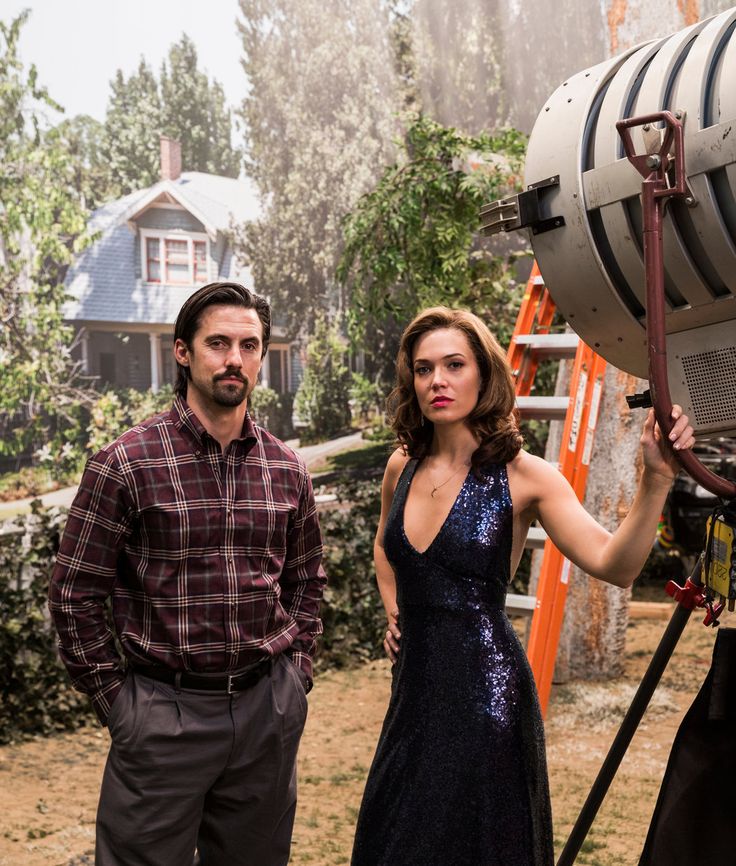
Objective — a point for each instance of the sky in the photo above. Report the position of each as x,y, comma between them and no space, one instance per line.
77,45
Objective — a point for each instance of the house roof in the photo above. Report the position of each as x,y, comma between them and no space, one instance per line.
103,284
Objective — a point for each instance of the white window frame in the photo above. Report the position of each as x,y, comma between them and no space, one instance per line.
162,237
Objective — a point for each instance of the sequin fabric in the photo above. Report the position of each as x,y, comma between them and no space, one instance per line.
459,777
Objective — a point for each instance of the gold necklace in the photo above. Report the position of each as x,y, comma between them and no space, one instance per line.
436,487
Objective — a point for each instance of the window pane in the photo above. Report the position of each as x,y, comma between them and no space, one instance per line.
200,261
153,260
177,261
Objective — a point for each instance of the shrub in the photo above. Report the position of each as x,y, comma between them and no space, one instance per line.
366,399
272,410
117,410
322,401
36,696
352,613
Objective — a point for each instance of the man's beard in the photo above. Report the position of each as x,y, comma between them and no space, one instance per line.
229,394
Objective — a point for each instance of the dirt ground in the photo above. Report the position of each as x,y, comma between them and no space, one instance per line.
48,788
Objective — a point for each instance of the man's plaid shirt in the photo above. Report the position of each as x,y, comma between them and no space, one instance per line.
213,560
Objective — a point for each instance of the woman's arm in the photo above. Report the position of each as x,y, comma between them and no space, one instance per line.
384,572
616,557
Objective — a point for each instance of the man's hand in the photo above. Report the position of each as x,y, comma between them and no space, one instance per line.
658,456
393,636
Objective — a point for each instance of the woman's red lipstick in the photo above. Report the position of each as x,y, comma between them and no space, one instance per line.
442,400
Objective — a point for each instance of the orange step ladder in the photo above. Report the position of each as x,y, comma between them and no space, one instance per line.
531,343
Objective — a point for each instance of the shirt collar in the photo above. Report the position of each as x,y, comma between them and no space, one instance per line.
182,416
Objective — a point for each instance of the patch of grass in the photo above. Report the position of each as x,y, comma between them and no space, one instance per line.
366,457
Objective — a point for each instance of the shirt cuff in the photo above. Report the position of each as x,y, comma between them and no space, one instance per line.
103,700
304,663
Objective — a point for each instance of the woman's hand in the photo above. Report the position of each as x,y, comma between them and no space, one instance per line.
393,635
658,456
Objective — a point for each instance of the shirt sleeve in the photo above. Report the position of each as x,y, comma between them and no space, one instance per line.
86,566
303,579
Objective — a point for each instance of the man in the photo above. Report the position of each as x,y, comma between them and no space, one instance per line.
202,527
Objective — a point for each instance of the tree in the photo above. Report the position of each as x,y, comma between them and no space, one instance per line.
322,400
194,113
458,50
413,242
184,105
82,139
42,225
320,117
132,127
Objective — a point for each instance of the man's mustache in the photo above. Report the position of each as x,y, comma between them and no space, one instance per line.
232,374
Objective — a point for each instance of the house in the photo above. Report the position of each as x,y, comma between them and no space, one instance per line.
154,247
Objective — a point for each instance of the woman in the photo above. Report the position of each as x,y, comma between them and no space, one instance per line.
459,777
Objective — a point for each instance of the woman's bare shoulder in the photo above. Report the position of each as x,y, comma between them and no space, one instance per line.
394,467
395,464
531,472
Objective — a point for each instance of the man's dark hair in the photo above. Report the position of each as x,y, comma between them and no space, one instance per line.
187,322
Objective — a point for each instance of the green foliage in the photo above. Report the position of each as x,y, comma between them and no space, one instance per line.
352,613
194,112
366,398
42,225
272,410
115,411
132,127
412,242
184,105
82,139
322,401
320,117
36,696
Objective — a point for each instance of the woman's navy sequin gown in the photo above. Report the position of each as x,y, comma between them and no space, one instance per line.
459,777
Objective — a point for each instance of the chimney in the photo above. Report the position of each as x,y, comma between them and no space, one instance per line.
170,158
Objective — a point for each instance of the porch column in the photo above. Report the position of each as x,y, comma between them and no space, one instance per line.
155,361
84,345
266,371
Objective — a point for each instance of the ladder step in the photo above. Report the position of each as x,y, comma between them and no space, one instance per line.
520,605
543,408
535,538
546,346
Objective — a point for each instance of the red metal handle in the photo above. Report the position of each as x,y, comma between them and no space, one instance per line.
655,192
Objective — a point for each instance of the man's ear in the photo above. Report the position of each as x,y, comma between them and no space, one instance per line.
181,353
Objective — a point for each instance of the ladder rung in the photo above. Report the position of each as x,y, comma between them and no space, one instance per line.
520,605
547,346
535,538
543,408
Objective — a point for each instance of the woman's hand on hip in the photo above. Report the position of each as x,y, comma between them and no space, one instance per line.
393,636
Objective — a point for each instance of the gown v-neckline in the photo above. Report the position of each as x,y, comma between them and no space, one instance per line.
444,522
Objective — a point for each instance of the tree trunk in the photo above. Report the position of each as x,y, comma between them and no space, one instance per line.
596,613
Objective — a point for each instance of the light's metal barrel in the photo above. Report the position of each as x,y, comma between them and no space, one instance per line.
594,264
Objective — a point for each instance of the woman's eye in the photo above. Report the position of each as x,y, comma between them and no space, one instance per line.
455,365
420,371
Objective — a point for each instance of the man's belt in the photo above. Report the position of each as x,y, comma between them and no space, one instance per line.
225,683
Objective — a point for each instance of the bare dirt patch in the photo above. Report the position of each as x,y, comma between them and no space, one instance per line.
48,788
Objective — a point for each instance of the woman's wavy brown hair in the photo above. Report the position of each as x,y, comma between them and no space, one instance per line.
494,420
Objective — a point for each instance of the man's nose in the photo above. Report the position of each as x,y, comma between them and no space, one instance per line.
233,358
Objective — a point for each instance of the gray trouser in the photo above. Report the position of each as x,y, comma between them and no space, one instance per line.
191,769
